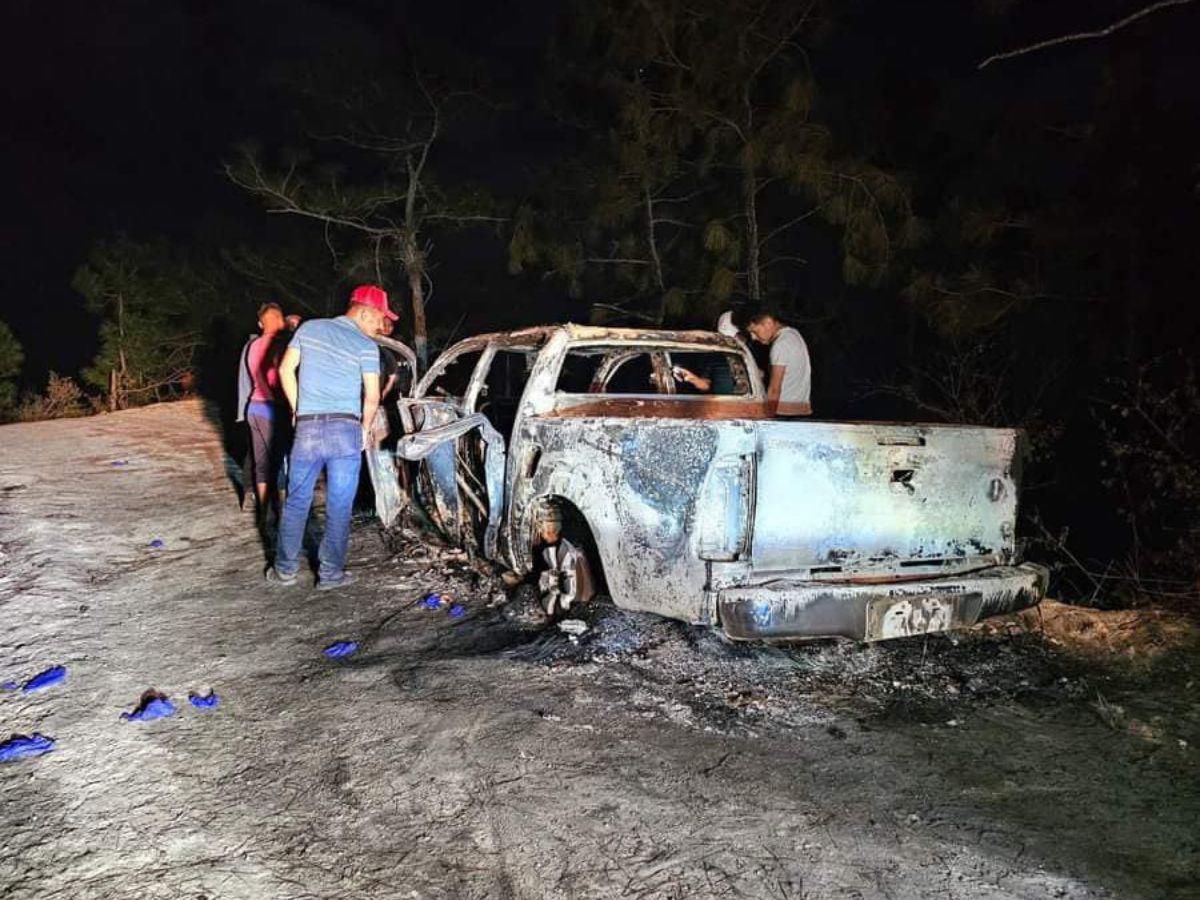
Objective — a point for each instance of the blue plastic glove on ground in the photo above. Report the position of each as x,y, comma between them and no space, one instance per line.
157,544
19,746
340,649
433,601
50,677
154,708
457,611
207,702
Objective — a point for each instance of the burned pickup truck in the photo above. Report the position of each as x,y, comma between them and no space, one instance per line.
700,507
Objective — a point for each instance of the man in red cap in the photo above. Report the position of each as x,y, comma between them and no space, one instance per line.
333,399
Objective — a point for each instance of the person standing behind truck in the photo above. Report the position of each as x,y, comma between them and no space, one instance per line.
789,384
334,398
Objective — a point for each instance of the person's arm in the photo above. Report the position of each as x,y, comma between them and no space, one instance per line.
774,387
699,382
370,404
245,386
287,378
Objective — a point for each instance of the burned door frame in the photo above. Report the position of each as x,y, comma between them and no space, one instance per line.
437,474
447,472
381,457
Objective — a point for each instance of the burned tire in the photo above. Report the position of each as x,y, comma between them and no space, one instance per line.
579,533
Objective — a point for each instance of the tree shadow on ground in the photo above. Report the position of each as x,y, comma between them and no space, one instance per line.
216,382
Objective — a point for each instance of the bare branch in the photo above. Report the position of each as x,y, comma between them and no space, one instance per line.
686,197
786,225
1085,35
281,201
784,39
798,260
662,36
633,314
449,217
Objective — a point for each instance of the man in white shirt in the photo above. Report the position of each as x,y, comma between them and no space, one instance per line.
790,381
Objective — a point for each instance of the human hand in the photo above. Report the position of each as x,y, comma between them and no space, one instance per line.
682,374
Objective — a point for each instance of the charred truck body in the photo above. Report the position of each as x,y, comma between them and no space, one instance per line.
701,508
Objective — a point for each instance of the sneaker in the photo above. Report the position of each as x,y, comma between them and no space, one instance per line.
275,577
347,578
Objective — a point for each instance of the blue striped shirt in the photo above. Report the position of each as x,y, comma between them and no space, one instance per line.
334,356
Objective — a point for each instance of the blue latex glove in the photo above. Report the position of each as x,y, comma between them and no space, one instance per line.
19,746
457,611
340,649
433,601
49,678
207,702
157,544
152,708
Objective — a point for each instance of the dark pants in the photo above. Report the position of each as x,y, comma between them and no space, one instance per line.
334,445
268,444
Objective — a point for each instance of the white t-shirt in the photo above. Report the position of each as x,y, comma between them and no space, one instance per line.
789,350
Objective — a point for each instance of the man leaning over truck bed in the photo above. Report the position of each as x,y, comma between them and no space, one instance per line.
790,379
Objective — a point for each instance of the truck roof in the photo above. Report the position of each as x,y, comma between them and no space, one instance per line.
602,333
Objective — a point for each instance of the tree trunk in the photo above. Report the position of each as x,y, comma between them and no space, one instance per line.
652,242
414,265
116,387
750,209
750,198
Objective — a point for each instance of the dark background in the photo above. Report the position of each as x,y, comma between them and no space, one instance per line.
119,115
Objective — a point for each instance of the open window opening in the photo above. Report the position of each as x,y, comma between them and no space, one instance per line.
653,371
502,388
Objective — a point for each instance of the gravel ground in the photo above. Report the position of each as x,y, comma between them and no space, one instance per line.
463,758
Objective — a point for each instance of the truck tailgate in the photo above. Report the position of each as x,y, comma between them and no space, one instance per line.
858,500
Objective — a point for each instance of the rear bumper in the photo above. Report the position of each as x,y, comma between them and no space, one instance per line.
866,612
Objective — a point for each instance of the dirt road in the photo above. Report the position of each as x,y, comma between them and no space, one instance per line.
465,759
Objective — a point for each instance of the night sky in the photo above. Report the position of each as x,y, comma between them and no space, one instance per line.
119,115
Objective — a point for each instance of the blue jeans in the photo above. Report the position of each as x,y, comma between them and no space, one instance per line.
336,446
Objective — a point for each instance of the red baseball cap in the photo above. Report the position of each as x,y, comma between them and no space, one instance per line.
373,296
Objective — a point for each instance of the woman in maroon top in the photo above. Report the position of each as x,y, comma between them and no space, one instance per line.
267,412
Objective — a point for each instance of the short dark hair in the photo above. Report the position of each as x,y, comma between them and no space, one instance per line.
269,305
761,313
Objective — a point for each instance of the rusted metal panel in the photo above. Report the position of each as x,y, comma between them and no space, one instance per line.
679,407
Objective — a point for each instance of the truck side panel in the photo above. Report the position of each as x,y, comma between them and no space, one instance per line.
640,484
881,500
